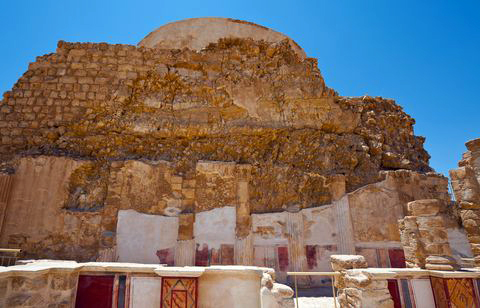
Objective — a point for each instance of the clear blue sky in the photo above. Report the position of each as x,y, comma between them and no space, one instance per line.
424,54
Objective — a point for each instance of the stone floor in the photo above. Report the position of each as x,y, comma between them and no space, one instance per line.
317,302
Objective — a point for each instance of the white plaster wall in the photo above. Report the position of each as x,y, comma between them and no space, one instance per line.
422,291
277,221
320,226
229,289
139,236
145,292
215,227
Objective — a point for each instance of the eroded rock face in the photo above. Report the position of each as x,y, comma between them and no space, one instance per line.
238,100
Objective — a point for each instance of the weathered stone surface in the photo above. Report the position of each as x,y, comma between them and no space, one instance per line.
466,187
185,226
424,236
376,208
425,207
357,288
344,262
38,290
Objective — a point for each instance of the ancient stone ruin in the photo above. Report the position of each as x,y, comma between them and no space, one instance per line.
216,142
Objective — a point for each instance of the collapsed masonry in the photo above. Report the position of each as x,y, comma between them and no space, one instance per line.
215,141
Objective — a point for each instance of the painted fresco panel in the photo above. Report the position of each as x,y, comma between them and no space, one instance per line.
439,292
227,253
179,292
397,258
215,227
320,226
94,291
394,293
141,236
311,255
461,292
370,255
166,256
145,292
383,258
283,261
269,229
422,292
406,295
202,255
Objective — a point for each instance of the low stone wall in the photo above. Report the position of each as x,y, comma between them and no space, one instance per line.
25,289
55,283
360,286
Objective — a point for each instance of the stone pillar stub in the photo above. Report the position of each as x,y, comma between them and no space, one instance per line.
356,287
424,236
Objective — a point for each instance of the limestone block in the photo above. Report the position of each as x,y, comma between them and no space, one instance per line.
282,291
425,207
345,262
465,184
469,206
427,222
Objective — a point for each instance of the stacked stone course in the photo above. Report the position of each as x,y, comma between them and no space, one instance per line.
39,290
466,187
357,288
424,236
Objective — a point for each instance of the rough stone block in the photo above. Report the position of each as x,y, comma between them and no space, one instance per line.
344,262
426,207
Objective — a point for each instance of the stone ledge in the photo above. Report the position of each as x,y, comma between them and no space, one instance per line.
47,266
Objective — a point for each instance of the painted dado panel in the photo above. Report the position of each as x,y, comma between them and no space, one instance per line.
146,238
422,291
145,292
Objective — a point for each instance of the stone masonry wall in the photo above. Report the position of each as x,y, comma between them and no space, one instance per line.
118,101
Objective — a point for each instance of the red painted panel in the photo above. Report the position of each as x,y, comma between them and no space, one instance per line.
311,253
282,258
228,254
394,292
214,257
166,256
94,291
397,258
440,292
201,256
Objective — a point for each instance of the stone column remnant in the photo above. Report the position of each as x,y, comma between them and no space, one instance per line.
424,236
185,248
356,287
466,187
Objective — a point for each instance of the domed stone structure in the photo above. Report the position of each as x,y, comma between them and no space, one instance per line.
215,141
198,33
